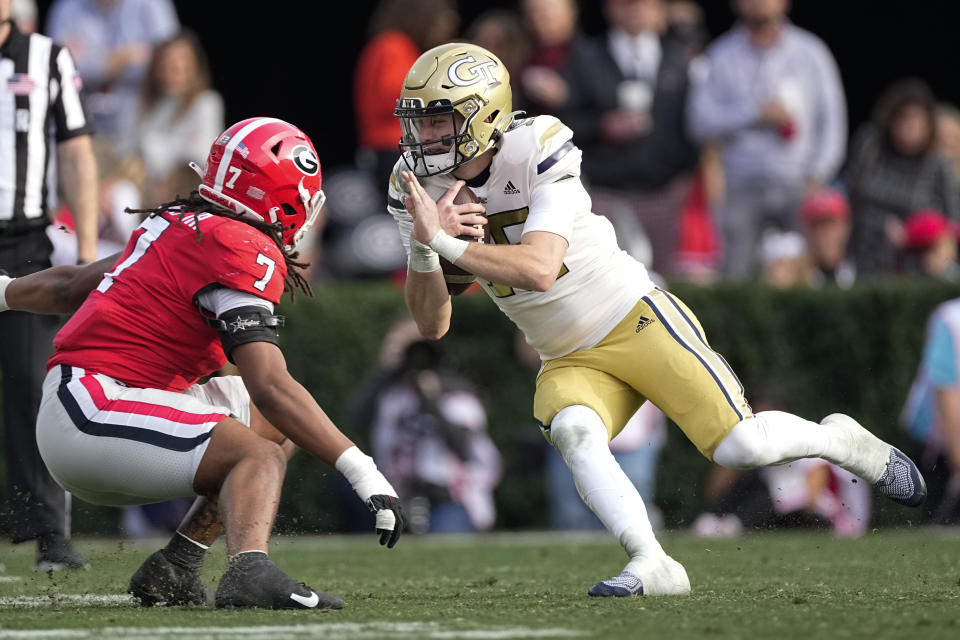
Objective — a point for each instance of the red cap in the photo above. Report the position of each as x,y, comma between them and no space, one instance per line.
926,226
825,204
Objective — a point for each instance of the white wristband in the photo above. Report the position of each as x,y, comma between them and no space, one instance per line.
423,259
4,281
361,472
447,246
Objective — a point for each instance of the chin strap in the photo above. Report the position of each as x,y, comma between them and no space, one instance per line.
312,205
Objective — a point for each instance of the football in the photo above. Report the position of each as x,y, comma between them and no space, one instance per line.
457,279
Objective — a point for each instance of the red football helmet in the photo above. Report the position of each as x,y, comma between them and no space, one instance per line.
267,168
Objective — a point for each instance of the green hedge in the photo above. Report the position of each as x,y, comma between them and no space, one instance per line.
828,350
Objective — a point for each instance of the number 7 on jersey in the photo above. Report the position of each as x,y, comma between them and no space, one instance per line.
271,264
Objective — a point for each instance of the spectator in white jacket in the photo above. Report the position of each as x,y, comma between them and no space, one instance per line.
772,99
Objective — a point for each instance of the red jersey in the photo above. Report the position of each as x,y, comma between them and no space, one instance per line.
142,325
378,77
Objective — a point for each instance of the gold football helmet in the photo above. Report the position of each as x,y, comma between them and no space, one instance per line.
455,103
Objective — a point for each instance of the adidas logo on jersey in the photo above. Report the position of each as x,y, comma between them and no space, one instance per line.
644,323
510,190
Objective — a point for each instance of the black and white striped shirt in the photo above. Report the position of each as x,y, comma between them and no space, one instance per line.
39,100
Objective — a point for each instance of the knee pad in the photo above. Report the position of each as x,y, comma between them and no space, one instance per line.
769,437
739,450
577,427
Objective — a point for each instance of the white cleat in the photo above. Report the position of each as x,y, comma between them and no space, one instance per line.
899,478
662,577
622,586
667,578
902,481
868,453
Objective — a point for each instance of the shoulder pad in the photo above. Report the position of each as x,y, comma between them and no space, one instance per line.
546,145
246,259
551,134
517,122
397,183
535,139
236,234
398,189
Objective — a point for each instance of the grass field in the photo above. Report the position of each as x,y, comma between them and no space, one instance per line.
889,584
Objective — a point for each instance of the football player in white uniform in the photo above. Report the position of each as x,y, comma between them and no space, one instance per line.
608,337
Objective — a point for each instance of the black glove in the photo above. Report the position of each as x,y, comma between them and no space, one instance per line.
389,517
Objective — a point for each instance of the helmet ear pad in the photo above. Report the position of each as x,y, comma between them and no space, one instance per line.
267,169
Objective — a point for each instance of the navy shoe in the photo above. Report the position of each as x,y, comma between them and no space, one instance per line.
902,482
621,586
254,580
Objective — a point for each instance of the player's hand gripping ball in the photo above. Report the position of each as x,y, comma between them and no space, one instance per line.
457,279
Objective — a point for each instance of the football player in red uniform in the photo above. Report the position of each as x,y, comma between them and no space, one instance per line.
123,419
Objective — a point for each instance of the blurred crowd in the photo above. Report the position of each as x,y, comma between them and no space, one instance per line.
716,156
147,88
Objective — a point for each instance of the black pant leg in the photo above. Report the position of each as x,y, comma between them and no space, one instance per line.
37,502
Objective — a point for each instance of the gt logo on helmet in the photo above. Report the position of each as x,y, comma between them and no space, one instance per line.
478,72
305,159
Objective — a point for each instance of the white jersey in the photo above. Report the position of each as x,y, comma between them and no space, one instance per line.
537,168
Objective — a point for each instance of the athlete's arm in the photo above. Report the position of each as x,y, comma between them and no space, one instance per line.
293,411
248,332
428,302
425,289
285,403
531,265
60,289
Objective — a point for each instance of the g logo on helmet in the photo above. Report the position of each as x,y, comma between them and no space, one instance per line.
305,159
479,71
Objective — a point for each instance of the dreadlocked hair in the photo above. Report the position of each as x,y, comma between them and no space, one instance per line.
194,205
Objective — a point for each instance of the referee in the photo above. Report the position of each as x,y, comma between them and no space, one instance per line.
39,101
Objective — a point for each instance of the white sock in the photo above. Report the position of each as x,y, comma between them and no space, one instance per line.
775,437
192,541
581,439
237,555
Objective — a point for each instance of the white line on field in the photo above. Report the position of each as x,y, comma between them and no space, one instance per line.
338,630
72,600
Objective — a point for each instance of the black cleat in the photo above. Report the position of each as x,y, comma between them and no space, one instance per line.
56,554
254,580
159,581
